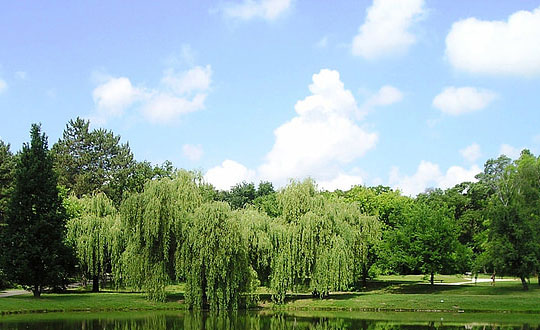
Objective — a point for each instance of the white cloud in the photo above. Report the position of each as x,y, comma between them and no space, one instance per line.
249,9
192,152
386,28
195,79
460,100
429,175
3,85
179,93
509,47
164,108
342,182
509,151
385,96
228,174
471,153
321,137
114,96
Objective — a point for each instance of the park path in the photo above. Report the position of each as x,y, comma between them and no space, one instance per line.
12,293
480,280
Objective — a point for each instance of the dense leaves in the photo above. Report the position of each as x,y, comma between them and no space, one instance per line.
32,242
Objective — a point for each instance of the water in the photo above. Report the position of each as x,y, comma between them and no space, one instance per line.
266,321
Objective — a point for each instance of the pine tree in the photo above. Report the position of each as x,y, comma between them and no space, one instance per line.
32,241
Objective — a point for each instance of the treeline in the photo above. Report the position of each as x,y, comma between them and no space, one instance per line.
88,208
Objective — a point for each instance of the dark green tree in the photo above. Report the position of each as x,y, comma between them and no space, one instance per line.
7,173
33,247
93,161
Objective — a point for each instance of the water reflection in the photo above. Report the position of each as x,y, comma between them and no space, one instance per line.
254,321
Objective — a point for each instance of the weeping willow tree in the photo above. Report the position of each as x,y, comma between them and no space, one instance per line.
254,227
317,243
91,233
153,221
215,260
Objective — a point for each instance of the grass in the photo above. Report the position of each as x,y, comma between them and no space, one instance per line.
87,301
407,294
389,293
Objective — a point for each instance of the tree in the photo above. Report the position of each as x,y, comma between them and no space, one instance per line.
7,173
514,217
155,221
92,234
426,241
215,259
93,161
34,253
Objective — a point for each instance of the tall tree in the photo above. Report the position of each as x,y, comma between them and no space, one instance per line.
7,173
91,233
93,161
215,259
33,247
514,216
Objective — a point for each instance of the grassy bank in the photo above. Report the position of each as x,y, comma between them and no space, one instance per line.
81,301
403,293
415,295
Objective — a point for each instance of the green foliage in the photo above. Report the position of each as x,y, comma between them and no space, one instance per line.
7,174
514,218
32,242
92,234
153,221
93,161
320,243
215,259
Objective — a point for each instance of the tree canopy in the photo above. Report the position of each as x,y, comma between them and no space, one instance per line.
34,253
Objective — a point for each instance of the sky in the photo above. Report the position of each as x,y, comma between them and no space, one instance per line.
412,94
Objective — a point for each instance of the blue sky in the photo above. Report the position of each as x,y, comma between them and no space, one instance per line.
406,93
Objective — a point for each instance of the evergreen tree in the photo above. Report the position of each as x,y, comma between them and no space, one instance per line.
32,241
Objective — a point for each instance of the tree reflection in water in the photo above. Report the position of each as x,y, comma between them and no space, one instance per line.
221,321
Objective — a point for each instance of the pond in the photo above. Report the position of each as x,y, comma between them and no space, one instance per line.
267,321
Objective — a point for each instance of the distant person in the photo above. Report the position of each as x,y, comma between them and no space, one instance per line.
493,279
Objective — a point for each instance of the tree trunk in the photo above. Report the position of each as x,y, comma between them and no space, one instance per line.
539,278
524,283
203,288
95,283
36,291
432,278
364,276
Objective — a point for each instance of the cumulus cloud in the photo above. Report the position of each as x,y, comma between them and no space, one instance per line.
386,28
195,79
508,47
321,137
509,151
249,9
429,175
228,174
471,153
342,182
386,95
460,100
3,85
179,93
114,96
192,152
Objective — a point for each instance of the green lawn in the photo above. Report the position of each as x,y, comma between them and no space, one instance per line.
408,294
82,301
388,293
